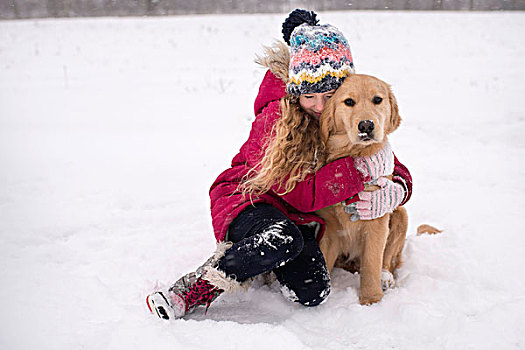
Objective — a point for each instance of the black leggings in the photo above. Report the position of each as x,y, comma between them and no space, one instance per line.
266,240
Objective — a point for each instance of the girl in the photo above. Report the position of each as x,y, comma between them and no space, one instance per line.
262,205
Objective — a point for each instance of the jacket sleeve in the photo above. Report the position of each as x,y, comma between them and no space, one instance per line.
402,176
333,183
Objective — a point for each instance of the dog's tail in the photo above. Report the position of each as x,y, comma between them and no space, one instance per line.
427,229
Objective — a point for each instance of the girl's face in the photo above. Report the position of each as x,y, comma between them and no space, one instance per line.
313,104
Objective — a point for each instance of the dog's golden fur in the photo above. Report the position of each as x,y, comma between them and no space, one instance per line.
368,246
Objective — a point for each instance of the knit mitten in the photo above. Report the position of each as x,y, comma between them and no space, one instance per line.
375,204
377,165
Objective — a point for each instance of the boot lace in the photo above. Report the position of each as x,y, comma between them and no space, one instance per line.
200,293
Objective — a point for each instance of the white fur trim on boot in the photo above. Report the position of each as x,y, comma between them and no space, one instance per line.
218,278
222,247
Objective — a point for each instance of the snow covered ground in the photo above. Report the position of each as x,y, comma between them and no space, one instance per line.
112,130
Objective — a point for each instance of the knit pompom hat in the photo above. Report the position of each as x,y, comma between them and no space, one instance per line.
320,56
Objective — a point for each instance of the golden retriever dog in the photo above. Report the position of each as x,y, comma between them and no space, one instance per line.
368,246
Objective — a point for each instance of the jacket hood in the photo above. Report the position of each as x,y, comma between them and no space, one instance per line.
273,87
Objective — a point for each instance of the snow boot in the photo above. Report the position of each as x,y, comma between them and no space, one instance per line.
169,305
194,289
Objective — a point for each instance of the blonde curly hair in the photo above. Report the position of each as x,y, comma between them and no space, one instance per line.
293,151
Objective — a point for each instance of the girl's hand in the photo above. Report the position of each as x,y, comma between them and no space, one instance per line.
375,204
376,165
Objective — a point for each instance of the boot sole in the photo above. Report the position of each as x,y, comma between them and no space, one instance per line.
160,310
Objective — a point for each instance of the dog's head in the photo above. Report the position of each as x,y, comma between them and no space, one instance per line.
363,109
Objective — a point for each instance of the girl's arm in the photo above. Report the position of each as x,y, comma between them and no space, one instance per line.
402,176
333,183
336,182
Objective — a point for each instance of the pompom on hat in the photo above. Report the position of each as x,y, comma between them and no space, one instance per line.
320,56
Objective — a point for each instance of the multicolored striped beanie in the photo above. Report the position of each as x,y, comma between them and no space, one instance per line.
320,56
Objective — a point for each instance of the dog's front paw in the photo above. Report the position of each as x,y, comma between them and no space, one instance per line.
370,299
387,280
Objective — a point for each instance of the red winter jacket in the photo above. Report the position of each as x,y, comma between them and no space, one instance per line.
333,183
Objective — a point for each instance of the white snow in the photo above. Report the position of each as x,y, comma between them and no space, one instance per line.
112,130
273,235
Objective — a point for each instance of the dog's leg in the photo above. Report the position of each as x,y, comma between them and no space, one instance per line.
331,242
375,239
330,246
398,226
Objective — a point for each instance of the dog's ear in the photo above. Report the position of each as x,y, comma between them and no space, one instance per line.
395,118
327,120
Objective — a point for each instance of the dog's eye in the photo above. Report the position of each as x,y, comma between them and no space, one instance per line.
377,100
350,102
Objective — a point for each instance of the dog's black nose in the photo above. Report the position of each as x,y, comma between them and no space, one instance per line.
366,126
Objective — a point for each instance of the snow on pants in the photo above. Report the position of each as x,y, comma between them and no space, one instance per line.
264,240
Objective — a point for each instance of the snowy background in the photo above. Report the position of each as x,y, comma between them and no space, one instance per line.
112,130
